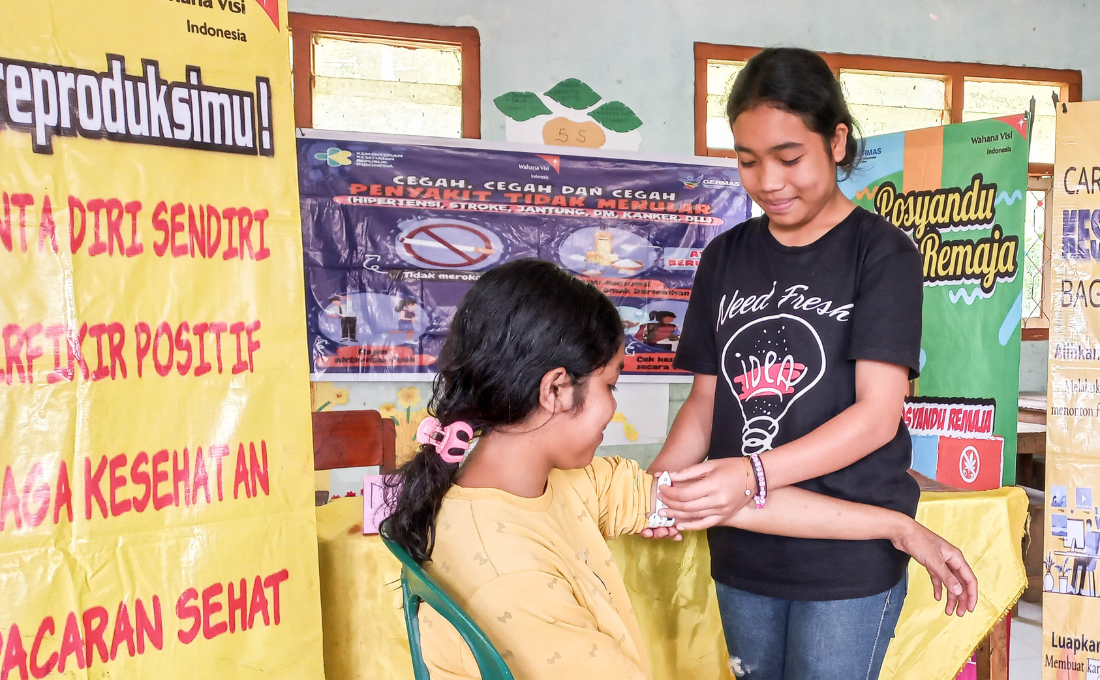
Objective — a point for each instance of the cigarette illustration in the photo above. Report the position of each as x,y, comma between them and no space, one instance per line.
447,246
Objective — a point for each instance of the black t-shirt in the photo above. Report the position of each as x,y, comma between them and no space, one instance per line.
782,328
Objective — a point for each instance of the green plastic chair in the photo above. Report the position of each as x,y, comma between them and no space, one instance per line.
417,587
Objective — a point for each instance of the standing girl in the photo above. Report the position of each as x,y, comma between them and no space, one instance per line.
516,533
803,331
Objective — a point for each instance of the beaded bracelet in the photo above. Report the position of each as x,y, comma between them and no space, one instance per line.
761,480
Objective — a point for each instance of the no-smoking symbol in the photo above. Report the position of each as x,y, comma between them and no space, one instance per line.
970,463
448,244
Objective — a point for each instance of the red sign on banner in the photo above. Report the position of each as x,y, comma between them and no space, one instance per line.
655,362
972,464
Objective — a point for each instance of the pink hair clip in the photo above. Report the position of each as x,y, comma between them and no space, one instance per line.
447,441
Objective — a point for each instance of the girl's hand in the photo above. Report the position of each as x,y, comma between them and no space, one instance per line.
707,494
945,564
663,532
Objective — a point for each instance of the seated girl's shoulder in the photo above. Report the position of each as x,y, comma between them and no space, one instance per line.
487,539
578,478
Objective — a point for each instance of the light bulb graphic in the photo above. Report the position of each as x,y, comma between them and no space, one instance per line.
767,377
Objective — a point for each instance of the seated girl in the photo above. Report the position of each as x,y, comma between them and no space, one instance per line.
516,534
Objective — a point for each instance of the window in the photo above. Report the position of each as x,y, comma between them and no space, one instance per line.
372,76
891,95
883,103
720,77
1037,239
991,98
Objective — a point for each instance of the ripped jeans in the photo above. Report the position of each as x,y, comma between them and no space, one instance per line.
775,639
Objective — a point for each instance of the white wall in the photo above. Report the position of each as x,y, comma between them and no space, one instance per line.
1033,366
641,51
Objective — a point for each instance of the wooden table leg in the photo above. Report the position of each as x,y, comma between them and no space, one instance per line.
992,653
1025,469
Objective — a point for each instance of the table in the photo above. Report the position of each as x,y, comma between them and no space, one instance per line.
1077,587
1075,554
674,597
1031,440
1031,449
1033,546
1032,408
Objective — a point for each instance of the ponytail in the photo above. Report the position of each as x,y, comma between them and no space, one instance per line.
416,500
416,491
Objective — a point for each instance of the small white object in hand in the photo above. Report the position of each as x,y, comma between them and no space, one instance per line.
655,519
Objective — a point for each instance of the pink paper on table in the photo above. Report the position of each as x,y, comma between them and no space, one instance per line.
375,509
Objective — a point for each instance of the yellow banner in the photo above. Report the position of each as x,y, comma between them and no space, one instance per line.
1071,603
156,515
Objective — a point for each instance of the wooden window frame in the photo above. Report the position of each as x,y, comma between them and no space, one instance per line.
954,74
464,37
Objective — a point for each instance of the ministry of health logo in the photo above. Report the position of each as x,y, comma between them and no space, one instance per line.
692,182
334,156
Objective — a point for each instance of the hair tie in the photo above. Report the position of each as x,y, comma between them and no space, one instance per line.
447,441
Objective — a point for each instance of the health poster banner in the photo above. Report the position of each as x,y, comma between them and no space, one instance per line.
1071,601
397,229
156,486
958,191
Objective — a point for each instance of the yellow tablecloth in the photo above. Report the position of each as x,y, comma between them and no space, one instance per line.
674,597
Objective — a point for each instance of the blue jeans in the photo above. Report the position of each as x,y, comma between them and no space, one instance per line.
793,640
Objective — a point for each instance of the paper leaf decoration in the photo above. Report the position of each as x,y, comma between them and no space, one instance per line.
521,106
616,116
572,93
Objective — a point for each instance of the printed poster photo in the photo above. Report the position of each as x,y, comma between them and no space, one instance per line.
606,252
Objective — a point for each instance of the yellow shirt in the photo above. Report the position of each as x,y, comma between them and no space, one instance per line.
537,576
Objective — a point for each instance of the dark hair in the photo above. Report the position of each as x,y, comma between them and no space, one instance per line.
516,323
404,302
797,81
660,314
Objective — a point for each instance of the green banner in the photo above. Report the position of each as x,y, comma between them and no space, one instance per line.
959,192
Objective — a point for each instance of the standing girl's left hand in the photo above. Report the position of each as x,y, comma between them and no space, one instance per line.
709,493
945,564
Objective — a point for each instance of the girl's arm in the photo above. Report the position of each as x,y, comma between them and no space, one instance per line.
616,492
803,514
864,427
689,439
718,486
885,345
